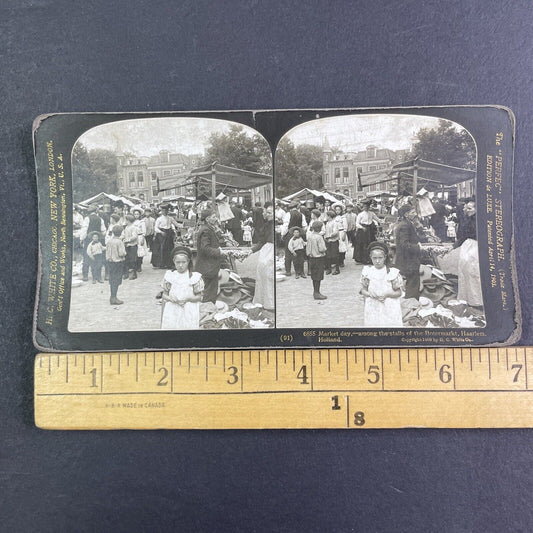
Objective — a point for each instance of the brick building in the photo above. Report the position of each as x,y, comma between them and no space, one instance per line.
143,176
340,169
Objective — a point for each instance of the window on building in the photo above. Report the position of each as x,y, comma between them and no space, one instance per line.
132,177
326,178
153,175
359,170
382,166
371,152
155,192
371,168
166,172
139,161
337,173
345,174
140,178
120,183
175,171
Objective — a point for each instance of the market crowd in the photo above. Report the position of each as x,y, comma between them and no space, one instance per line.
399,243
194,244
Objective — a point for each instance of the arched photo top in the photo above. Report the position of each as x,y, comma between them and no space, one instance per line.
336,150
135,157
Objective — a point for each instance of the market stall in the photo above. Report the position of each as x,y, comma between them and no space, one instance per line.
105,198
412,182
210,180
311,194
213,184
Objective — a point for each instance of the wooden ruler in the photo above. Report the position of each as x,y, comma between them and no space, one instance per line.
353,388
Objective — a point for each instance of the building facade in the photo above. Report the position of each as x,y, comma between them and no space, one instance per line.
144,177
340,169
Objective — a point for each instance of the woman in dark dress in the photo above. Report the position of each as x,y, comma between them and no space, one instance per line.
366,225
163,242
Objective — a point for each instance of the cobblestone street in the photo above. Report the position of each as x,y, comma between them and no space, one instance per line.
296,308
90,309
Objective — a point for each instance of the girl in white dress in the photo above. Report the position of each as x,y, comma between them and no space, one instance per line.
381,286
182,292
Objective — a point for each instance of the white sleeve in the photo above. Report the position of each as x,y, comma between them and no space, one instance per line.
285,227
84,228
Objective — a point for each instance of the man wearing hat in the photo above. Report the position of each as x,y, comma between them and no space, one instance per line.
257,221
209,259
149,222
350,218
235,224
408,251
91,223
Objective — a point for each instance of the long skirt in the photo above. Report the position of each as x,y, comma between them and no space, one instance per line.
363,237
469,278
161,249
264,281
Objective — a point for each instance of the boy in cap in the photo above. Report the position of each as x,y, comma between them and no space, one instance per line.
296,246
115,255
316,253
95,251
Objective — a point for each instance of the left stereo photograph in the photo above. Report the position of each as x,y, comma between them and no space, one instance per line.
154,224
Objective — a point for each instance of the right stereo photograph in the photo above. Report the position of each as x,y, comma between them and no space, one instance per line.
375,224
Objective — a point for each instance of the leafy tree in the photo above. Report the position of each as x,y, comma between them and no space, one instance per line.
93,171
239,150
297,167
446,144
310,165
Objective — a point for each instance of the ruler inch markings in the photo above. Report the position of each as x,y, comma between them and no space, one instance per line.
453,368
278,396
525,366
242,373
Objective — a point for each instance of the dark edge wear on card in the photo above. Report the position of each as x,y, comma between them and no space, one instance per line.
196,230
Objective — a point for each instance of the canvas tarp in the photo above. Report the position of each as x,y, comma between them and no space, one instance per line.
234,178
427,172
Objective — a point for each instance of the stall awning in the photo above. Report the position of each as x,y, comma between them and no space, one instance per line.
428,172
103,196
167,183
305,193
235,178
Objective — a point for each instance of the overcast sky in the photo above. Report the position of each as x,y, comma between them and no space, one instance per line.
145,137
356,132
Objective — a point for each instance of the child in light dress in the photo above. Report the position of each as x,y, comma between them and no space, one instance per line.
381,285
182,293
